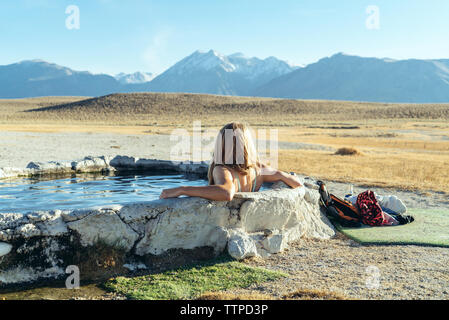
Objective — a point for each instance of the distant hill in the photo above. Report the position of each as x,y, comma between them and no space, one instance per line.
39,78
339,77
345,77
178,106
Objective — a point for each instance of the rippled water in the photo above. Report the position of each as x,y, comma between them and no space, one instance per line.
83,191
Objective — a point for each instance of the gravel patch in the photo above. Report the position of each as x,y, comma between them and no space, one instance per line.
345,267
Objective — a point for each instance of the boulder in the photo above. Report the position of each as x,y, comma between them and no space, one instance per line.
91,164
241,246
275,243
51,167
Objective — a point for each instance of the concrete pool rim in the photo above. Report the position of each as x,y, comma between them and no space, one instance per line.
40,245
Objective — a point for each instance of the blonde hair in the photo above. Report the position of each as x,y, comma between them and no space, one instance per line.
234,149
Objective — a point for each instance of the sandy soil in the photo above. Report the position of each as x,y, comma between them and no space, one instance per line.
18,148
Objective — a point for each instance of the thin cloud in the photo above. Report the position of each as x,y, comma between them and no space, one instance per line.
156,49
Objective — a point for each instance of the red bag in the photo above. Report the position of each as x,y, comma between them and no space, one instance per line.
369,210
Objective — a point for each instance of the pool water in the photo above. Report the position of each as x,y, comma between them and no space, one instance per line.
84,191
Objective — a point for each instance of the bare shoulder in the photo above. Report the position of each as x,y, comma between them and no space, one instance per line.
221,175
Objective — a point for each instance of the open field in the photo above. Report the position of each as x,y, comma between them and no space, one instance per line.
402,146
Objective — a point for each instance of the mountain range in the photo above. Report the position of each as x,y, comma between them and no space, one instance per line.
346,77
133,78
212,72
339,77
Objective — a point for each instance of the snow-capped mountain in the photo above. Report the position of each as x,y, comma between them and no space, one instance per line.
133,78
212,72
253,68
339,77
202,61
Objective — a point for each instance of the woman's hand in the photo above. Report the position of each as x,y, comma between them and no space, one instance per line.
171,193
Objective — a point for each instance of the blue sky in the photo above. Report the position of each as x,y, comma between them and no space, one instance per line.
145,35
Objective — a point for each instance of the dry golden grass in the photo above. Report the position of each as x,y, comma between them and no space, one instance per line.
162,109
403,145
306,294
408,171
232,296
300,294
12,110
397,143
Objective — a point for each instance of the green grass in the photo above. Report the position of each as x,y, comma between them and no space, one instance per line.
191,281
431,227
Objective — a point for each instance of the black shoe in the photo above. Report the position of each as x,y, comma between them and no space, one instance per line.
404,219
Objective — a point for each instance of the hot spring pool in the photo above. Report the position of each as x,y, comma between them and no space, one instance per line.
84,191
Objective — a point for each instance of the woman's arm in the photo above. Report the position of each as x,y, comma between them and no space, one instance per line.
223,190
273,175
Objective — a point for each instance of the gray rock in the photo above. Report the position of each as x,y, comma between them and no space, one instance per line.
12,220
69,216
51,167
90,164
195,222
14,172
275,243
123,161
241,246
27,231
5,248
104,225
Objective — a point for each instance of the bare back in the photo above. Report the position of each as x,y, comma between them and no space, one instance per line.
242,183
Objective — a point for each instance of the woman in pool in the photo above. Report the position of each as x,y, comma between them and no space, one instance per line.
235,167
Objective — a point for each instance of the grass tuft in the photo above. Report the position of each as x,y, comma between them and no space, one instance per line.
306,294
232,296
300,294
191,282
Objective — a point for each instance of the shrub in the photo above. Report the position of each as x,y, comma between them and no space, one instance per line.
348,152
